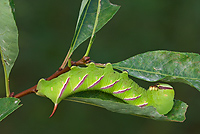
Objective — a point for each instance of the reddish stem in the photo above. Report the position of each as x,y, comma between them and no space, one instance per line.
33,89
25,92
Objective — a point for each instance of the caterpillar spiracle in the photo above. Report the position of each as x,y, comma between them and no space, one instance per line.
106,80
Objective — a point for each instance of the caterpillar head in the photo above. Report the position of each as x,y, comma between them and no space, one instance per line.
162,96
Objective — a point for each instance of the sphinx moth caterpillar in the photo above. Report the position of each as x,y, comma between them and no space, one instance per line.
106,80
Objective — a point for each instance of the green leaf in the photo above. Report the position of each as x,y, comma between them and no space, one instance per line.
8,39
114,104
12,5
164,66
7,106
87,17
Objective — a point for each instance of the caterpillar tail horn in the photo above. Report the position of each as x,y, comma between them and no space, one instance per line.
54,110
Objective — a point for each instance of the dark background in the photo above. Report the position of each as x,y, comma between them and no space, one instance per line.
46,28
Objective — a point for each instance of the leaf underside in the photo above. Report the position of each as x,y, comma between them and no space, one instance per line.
8,37
87,18
111,103
164,66
7,106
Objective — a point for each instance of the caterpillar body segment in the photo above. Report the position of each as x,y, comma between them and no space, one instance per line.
106,80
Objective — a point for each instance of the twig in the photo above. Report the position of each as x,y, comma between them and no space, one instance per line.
33,89
25,92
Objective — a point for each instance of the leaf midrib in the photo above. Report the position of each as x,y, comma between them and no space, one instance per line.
140,70
81,26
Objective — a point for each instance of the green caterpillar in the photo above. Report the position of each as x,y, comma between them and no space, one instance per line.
107,80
